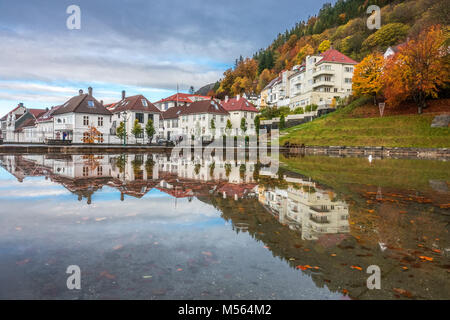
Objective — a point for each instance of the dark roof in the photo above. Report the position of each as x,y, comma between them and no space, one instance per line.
48,115
238,105
30,122
173,113
79,104
133,103
205,106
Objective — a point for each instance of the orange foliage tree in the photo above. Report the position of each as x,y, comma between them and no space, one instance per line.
419,69
92,136
368,76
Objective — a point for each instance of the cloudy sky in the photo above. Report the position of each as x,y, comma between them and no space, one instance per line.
142,46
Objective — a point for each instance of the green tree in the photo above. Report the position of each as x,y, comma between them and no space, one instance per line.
150,130
121,132
257,122
244,125
282,122
387,35
137,130
228,127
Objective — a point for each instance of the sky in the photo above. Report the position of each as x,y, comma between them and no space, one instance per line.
141,46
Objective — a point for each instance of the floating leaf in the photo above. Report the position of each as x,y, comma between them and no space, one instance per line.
106,274
356,267
100,219
426,258
119,246
403,292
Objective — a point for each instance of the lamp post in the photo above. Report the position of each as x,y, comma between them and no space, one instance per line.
124,114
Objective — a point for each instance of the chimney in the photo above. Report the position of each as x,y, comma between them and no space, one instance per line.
226,99
80,92
101,102
90,91
123,94
21,104
238,97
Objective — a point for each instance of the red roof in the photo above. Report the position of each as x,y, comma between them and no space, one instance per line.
238,105
173,113
37,112
332,55
182,97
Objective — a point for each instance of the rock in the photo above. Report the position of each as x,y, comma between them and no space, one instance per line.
441,121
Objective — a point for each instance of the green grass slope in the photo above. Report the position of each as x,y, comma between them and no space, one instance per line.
341,129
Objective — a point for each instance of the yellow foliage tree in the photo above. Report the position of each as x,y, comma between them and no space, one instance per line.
368,76
324,46
92,136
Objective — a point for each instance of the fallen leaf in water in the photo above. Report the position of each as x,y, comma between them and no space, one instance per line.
371,211
426,258
333,254
403,292
403,212
266,247
301,267
356,267
420,245
22,262
344,291
405,268
436,250
19,228
100,219
85,218
179,269
207,253
106,274
291,259
146,277
119,246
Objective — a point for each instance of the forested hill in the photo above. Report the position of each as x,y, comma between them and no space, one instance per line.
342,26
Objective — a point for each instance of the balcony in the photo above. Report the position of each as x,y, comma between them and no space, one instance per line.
323,71
319,219
319,209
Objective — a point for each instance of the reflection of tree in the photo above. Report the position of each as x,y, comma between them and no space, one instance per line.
242,170
121,163
227,169
212,166
92,161
197,169
149,164
137,165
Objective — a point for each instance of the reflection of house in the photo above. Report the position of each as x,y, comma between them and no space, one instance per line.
306,207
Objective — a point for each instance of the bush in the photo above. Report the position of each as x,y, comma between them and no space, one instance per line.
299,110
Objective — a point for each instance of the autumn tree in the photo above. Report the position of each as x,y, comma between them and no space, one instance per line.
387,35
92,135
324,46
304,51
264,79
368,76
419,69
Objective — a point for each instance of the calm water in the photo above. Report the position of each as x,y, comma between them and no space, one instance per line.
148,227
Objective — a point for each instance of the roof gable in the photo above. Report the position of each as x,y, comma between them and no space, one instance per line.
83,103
205,106
239,105
134,103
332,55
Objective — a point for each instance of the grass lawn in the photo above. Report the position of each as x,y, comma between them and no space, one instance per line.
341,129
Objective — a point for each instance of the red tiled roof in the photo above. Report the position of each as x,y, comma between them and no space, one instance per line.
181,97
332,55
205,106
133,103
238,105
37,112
48,115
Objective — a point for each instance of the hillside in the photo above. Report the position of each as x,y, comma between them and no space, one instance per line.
343,26
359,125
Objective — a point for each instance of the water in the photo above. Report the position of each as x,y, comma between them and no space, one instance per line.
150,227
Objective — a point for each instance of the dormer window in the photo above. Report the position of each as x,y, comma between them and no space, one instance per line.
144,103
91,104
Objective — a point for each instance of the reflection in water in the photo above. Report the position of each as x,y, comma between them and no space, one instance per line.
329,236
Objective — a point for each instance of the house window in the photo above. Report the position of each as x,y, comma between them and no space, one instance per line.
85,171
348,69
144,102
348,80
100,171
327,89
85,120
100,138
91,104
335,89
150,117
100,121
140,117
222,118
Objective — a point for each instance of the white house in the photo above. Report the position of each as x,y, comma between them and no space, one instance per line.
80,114
239,108
197,119
134,108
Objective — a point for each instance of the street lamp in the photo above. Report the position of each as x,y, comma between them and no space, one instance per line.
124,114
